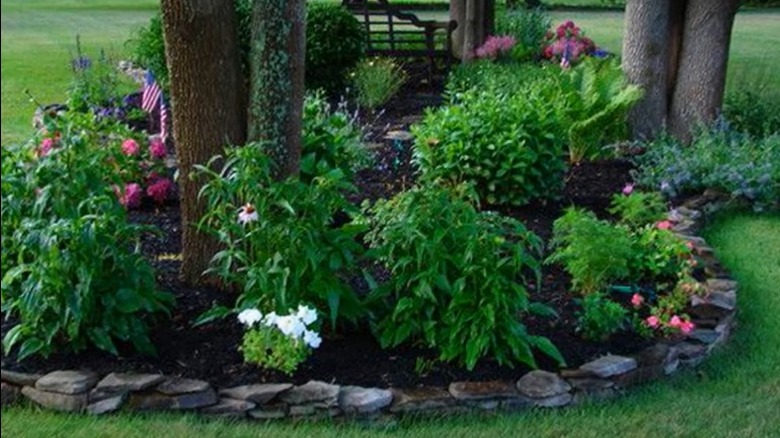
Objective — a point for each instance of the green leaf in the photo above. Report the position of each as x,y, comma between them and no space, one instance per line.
334,298
545,346
29,347
102,340
542,309
128,301
11,338
211,315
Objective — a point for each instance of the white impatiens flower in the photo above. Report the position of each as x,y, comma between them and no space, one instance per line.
250,317
312,339
270,319
290,325
307,314
247,214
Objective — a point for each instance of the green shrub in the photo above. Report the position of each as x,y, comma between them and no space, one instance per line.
331,140
281,247
747,168
528,27
458,278
637,209
754,111
508,144
600,317
147,49
73,271
376,81
335,42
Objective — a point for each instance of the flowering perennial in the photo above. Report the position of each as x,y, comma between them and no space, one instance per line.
496,47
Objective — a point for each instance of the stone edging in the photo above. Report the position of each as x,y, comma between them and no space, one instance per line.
605,377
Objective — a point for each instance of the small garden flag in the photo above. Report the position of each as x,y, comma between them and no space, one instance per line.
151,99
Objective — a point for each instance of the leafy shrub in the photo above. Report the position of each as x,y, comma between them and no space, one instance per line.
754,111
747,168
636,209
528,27
331,140
660,255
568,45
600,317
147,49
73,271
281,247
506,143
508,78
458,277
335,42
593,251
376,81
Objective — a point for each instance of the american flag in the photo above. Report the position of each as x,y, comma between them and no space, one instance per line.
151,99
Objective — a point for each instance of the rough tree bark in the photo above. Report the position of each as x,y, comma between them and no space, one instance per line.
475,20
471,26
207,90
277,81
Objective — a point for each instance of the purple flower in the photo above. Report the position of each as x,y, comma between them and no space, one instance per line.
159,190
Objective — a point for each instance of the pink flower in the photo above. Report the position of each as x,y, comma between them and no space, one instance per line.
689,245
130,147
496,46
47,144
159,190
652,321
157,148
663,225
628,189
675,321
637,300
130,197
247,214
687,327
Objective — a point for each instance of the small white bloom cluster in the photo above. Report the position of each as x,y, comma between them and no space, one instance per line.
294,325
247,214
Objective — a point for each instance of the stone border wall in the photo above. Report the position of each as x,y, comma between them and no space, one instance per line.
605,377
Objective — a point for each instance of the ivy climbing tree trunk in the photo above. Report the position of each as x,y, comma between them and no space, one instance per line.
201,47
277,81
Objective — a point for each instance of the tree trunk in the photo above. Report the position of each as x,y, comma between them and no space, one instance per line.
277,81
645,61
701,75
206,87
470,30
458,14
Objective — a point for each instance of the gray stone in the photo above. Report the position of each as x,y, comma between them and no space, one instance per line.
554,401
517,403
155,401
260,393
269,412
575,373
420,399
107,405
721,285
302,410
312,391
610,365
67,382
688,212
19,379
542,384
482,390
590,384
639,376
483,405
229,407
581,397
399,135
690,354
178,385
120,382
8,394
358,400
721,300
55,400
706,336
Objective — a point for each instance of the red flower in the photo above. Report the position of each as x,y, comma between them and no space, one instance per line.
159,190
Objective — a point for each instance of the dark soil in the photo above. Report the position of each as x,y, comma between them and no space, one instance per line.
352,355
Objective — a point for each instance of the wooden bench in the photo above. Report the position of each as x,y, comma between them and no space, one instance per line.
393,33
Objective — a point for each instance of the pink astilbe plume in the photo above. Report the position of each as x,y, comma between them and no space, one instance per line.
495,47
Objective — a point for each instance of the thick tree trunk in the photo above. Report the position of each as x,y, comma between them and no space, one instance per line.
645,62
471,30
458,14
701,74
277,75
201,45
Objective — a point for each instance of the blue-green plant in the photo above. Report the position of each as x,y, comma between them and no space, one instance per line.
458,277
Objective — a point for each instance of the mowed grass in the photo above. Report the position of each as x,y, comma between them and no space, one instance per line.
735,394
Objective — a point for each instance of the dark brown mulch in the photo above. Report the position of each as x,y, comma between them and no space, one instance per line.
351,355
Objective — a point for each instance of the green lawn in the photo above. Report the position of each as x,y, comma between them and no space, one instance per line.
736,394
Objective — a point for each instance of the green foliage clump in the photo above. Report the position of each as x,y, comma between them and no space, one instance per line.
528,27
458,279
508,143
637,208
73,272
281,247
376,80
745,167
147,49
600,317
754,111
335,42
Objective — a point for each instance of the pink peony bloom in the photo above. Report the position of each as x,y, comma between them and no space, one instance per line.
652,321
675,321
637,300
663,225
628,189
130,147
687,327
130,197
159,190
157,148
47,144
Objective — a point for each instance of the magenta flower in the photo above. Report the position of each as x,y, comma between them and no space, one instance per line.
687,327
130,147
663,225
628,189
159,190
652,321
47,144
637,300
130,197
675,322
157,148
495,47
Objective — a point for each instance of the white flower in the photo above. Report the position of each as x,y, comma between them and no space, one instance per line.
290,325
312,339
270,319
247,214
250,317
307,314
